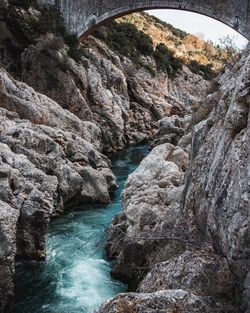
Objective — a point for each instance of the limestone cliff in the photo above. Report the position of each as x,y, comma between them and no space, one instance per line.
51,150
62,107
126,102
125,96
49,159
190,240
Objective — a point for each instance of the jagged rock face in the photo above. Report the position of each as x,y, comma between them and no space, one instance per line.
175,130
27,197
150,209
171,235
47,161
103,87
31,192
22,99
102,103
8,220
56,142
199,271
122,99
170,301
218,182
207,253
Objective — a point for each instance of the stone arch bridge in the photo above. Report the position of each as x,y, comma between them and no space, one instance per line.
83,16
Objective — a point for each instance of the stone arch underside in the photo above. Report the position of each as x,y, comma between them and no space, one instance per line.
82,16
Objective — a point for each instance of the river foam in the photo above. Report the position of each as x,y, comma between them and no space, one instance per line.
75,278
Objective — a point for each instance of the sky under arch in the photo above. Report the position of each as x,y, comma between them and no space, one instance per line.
195,23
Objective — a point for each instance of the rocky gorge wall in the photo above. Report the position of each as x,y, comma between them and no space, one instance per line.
57,118
49,159
125,101
101,86
182,239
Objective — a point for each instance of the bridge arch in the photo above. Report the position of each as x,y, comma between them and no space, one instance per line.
83,16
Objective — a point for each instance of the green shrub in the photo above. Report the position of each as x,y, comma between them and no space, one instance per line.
71,40
51,21
175,31
166,60
25,4
127,40
151,71
205,70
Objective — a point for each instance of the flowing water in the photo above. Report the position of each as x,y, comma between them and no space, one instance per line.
76,275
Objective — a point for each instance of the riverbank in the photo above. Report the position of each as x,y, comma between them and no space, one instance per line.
75,277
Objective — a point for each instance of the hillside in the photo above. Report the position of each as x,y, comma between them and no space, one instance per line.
185,46
166,43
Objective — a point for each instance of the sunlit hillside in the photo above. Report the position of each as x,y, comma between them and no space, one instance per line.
185,46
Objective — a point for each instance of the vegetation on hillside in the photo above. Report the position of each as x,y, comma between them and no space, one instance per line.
175,31
134,36
208,58
51,21
25,4
126,39
25,28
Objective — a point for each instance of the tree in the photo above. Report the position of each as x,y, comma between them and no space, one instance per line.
227,44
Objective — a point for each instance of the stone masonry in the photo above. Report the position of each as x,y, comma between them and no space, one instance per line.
83,16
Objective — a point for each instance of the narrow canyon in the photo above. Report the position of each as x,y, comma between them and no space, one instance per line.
124,167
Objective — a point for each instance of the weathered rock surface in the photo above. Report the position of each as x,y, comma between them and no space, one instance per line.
103,87
204,249
150,209
8,221
176,233
170,301
175,130
48,160
199,271
52,150
27,201
123,100
217,189
31,192
55,140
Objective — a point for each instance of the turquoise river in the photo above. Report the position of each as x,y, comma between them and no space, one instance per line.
75,278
